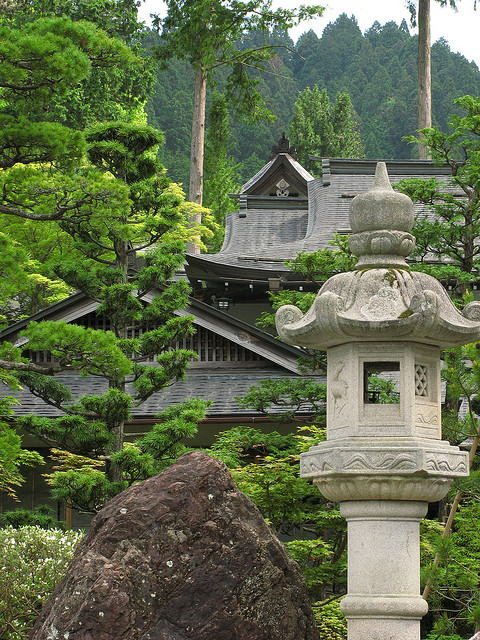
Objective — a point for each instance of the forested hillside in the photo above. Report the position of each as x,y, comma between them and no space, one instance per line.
377,69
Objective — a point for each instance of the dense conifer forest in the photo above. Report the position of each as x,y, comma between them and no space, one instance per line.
377,69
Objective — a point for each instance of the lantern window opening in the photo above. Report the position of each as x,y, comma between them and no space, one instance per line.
381,382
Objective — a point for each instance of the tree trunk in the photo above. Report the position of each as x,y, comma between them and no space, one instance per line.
424,73
195,192
121,263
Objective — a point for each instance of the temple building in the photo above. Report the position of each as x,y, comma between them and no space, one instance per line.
282,210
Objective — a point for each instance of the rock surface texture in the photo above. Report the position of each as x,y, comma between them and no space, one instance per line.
183,555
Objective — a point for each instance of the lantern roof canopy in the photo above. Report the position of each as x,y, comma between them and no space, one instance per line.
381,299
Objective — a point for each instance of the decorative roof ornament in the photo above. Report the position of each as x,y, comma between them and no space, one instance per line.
282,189
381,299
283,146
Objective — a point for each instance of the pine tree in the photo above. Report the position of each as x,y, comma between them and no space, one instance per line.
93,426
114,205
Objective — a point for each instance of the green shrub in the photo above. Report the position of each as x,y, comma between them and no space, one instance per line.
42,516
434,635
32,561
331,622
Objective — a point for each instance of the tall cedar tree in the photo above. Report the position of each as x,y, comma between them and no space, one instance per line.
421,15
206,33
221,173
122,205
322,129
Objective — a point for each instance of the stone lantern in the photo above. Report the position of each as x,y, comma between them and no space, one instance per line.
382,462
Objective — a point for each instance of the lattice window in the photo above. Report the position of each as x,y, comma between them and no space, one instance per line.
209,346
421,380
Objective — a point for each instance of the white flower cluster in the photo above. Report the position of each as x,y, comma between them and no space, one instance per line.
32,562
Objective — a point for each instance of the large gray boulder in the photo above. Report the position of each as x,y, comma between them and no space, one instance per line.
183,555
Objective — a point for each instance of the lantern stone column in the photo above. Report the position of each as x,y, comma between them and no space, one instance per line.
384,462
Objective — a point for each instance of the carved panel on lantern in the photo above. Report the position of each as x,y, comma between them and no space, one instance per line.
341,388
426,381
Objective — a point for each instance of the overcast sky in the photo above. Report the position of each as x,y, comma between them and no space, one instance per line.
461,29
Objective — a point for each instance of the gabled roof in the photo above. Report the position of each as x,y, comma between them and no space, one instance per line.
272,211
219,322
282,167
258,241
216,380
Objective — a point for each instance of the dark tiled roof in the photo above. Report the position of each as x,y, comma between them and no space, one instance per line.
221,386
263,239
262,234
330,198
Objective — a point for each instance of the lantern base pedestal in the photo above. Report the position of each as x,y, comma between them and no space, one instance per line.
383,601
384,629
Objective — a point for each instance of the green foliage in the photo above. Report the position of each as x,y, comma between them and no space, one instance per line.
454,597
319,561
75,433
90,350
32,563
276,489
288,400
320,265
302,300
323,129
242,444
125,149
384,391
116,17
439,634
25,288
41,516
86,489
107,92
177,423
46,58
449,236
12,456
331,622
220,172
